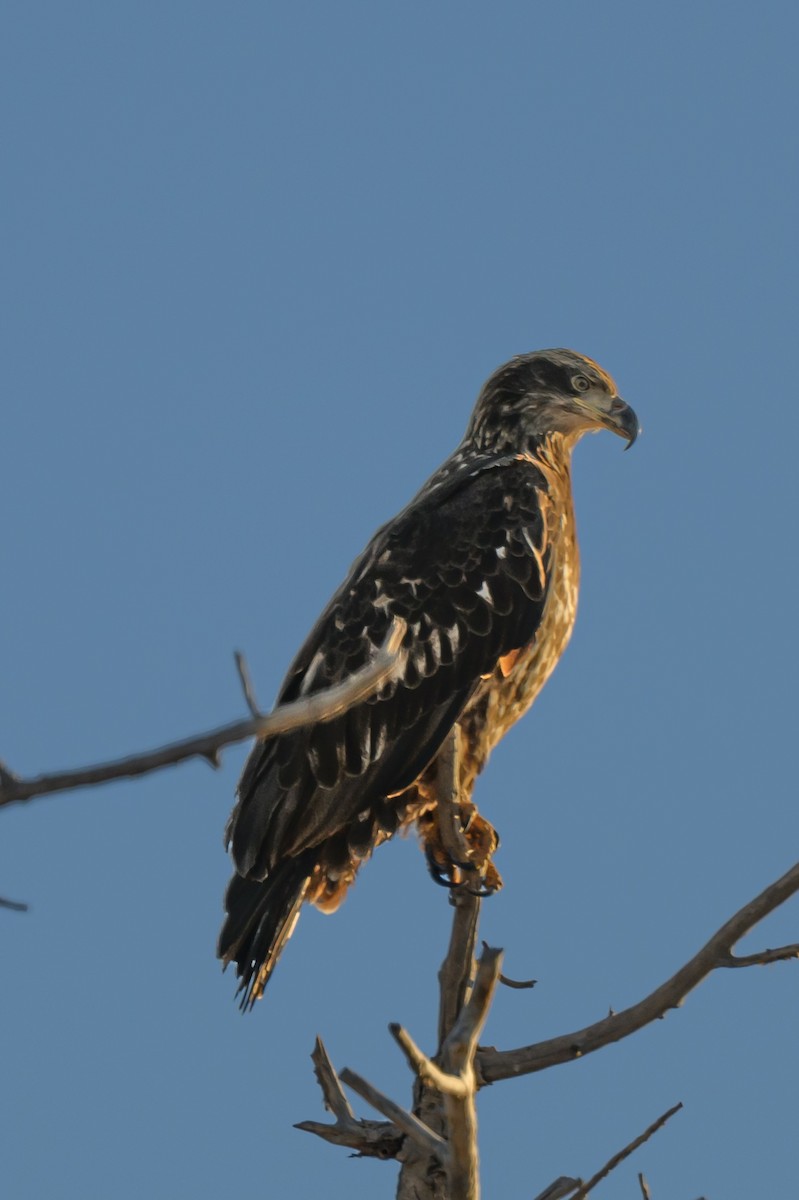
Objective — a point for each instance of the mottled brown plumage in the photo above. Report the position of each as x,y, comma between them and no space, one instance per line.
484,568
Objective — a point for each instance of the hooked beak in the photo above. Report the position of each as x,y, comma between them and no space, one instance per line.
607,412
621,419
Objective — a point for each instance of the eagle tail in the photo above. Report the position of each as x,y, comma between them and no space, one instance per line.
260,918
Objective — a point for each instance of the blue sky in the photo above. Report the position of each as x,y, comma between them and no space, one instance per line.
256,262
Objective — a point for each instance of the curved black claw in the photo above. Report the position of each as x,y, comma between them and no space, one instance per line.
483,893
436,874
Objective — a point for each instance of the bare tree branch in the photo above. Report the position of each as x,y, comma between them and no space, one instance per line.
422,1179
461,1042
455,974
423,1066
321,706
762,958
366,1139
426,1140
372,1139
494,1065
457,1056
329,1082
455,1079
521,985
644,1186
575,1189
613,1162
14,905
437,1143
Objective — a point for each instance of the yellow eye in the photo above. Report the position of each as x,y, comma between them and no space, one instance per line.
580,383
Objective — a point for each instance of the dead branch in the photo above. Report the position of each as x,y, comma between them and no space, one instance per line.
762,958
521,985
321,706
437,1142
457,1055
614,1162
457,969
575,1189
428,1142
422,1179
369,1139
494,1065
445,1082
423,1066
455,1078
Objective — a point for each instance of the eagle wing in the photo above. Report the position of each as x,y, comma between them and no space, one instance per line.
465,565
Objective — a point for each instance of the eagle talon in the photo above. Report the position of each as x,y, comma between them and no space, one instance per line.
483,893
435,871
487,881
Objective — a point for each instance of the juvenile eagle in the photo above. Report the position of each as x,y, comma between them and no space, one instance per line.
484,568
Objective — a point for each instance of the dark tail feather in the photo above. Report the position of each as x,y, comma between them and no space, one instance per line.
261,915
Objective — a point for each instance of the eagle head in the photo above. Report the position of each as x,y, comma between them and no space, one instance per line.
546,392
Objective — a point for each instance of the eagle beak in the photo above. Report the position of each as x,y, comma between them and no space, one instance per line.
621,419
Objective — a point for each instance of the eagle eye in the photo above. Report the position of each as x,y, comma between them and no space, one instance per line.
580,383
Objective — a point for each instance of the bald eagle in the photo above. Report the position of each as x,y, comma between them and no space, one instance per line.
483,567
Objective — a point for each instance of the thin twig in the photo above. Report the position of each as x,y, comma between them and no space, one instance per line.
763,958
613,1162
644,1186
14,905
321,706
520,984
494,1065
245,679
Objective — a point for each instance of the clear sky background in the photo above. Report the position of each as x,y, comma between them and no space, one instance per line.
257,260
